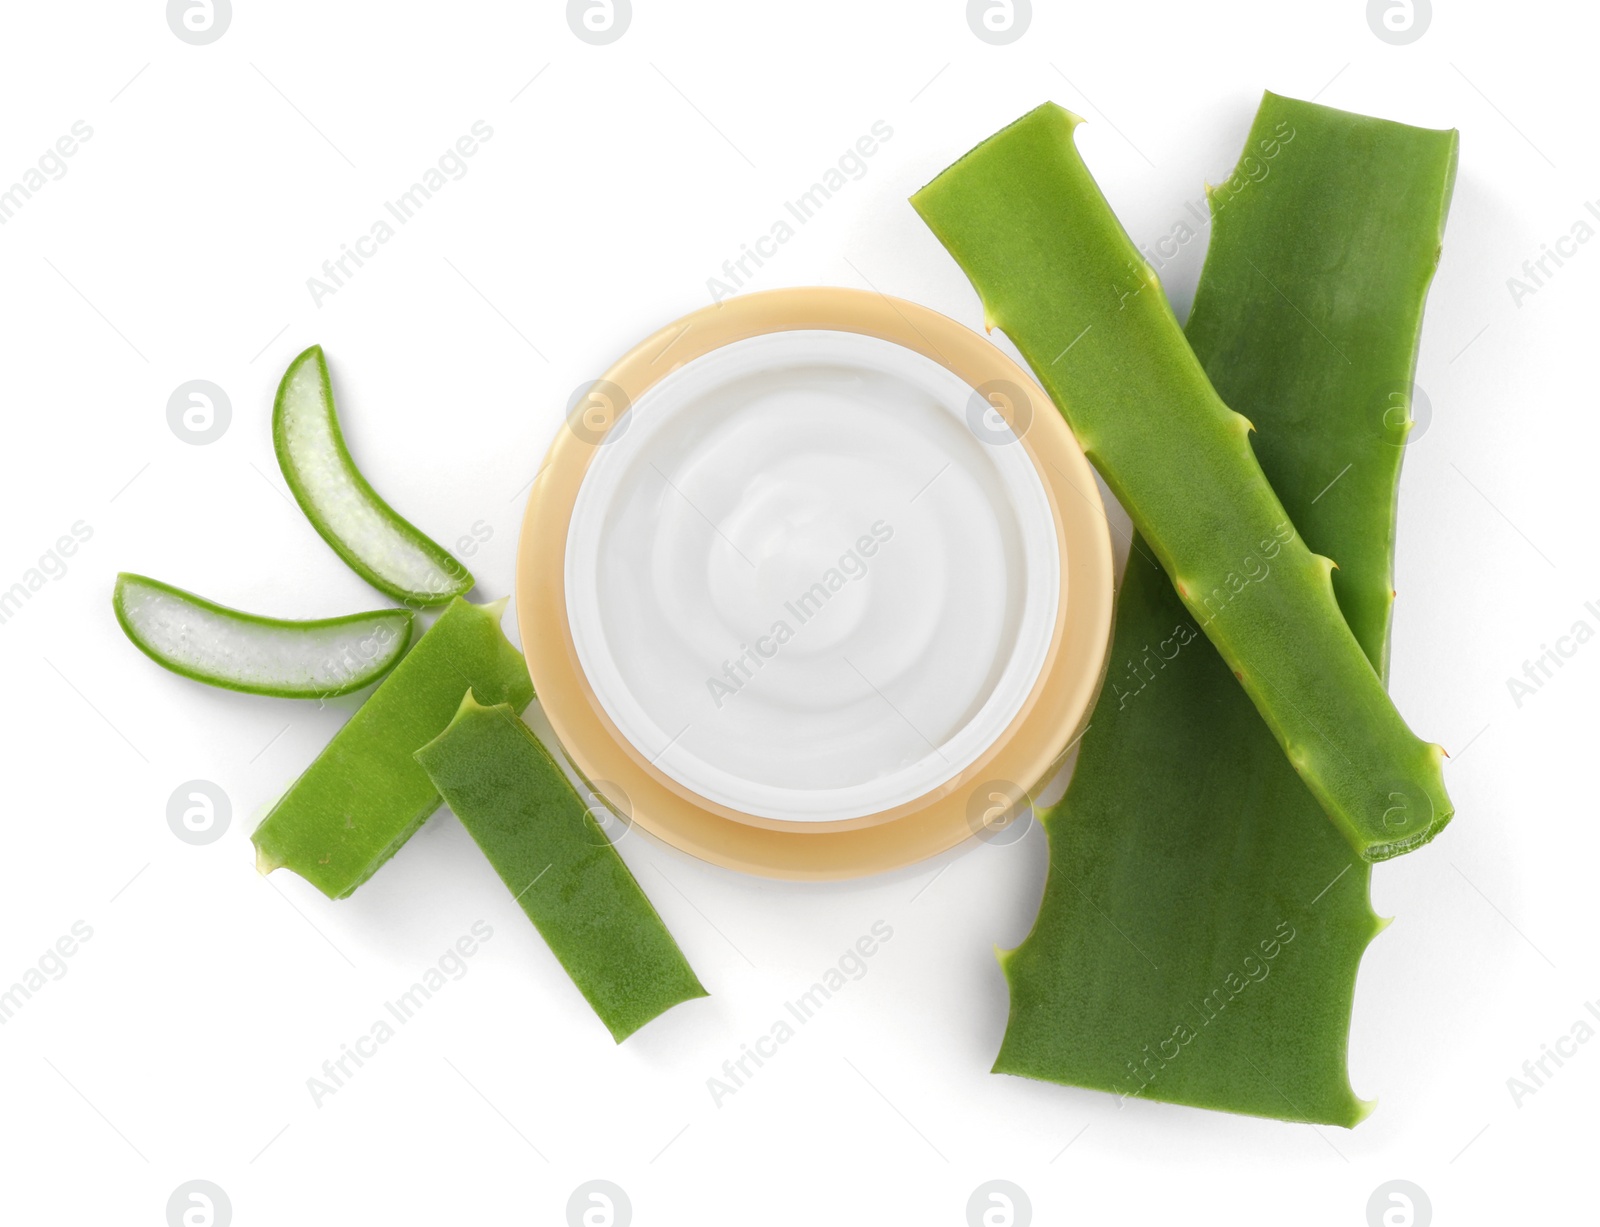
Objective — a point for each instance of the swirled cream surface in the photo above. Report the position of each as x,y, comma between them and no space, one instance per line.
812,576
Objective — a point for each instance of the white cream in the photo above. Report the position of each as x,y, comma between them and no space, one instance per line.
801,585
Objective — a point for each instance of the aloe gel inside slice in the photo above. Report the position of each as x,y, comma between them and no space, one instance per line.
372,538
240,651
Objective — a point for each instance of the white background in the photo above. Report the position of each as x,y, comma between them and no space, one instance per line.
177,246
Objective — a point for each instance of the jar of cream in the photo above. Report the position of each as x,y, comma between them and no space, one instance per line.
815,583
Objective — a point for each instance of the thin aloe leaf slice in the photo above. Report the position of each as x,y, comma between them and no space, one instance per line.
257,655
1202,924
539,835
385,550
1054,268
366,794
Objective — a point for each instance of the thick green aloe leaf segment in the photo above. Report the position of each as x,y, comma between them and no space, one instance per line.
366,794
1202,923
547,848
1054,268
242,651
387,551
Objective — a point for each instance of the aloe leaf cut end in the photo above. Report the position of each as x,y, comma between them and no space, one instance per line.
224,647
373,539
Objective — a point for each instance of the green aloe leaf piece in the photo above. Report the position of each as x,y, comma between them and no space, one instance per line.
1202,924
542,840
1027,223
242,651
385,550
366,794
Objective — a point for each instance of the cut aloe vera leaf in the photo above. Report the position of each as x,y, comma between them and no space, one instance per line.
1186,850
1028,225
385,550
366,794
242,651
547,848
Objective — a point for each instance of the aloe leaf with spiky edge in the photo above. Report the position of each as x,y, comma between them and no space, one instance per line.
1055,270
1202,924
